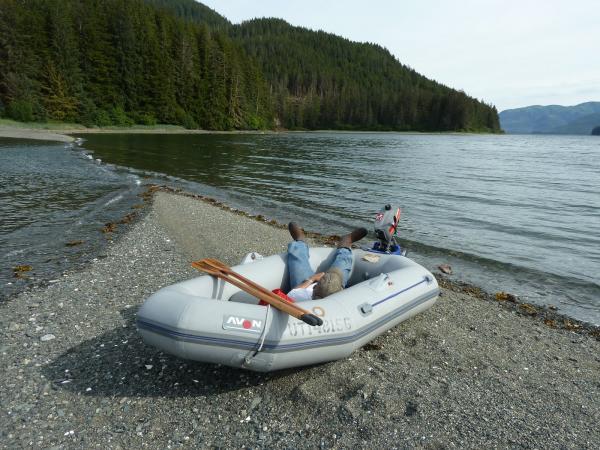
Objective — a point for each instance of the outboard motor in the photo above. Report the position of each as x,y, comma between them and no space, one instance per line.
386,226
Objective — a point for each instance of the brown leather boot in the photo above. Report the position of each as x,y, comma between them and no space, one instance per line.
348,239
296,231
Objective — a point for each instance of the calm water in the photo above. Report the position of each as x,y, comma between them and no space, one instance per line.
513,213
52,194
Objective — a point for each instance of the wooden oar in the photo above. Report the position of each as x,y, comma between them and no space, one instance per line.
220,270
253,288
226,269
219,274
260,293
216,264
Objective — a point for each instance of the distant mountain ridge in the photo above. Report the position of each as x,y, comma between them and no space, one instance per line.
552,119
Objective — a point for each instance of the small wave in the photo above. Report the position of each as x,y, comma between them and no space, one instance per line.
15,253
114,199
485,263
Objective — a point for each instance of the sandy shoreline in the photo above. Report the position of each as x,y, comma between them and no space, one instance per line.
64,134
467,373
40,135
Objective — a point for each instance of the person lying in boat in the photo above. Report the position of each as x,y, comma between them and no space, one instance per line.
308,285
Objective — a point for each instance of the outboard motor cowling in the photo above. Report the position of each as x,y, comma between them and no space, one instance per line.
386,226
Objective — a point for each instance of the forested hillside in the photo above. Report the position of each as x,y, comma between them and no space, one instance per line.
320,80
117,62
103,62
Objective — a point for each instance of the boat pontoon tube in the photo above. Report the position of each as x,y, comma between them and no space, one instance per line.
206,319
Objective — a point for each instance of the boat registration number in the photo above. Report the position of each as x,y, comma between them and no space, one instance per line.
297,328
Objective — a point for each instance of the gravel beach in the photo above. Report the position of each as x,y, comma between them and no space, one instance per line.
468,373
40,135
63,133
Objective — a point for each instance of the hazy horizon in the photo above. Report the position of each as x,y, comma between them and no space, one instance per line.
507,54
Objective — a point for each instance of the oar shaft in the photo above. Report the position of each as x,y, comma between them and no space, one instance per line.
223,272
229,271
278,303
218,265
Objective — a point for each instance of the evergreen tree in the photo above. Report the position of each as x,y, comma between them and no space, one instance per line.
320,80
122,61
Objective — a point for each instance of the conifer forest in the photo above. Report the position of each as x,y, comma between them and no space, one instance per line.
125,62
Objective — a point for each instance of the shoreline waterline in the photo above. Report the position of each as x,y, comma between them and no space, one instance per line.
546,315
65,134
38,135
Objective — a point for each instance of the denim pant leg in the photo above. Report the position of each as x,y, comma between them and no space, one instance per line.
298,266
343,261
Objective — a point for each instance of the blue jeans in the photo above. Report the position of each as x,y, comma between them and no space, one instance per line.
299,267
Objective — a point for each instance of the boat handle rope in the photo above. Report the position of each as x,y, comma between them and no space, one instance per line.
426,279
262,337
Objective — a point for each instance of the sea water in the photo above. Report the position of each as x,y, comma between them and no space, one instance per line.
54,200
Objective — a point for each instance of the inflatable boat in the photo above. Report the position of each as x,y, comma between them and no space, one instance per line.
207,319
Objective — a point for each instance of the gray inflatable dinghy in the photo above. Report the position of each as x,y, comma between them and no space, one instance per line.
207,319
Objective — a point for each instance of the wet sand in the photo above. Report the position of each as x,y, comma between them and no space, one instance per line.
40,135
468,373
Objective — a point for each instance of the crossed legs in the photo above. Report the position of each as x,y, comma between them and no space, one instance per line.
298,255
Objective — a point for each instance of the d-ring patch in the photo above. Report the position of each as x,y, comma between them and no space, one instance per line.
318,311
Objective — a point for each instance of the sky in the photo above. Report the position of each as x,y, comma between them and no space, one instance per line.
509,53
